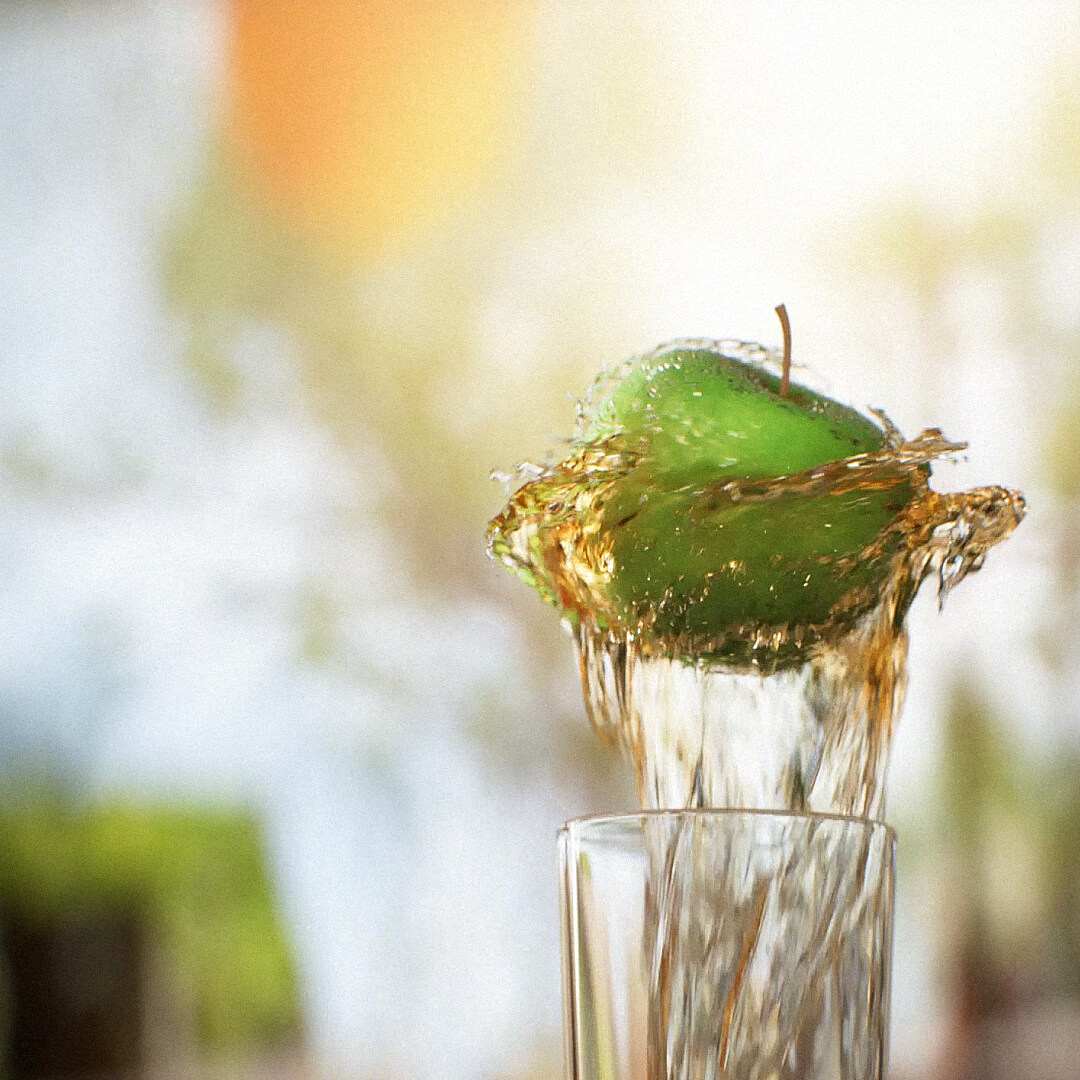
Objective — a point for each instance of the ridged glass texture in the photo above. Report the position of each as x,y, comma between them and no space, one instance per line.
726,945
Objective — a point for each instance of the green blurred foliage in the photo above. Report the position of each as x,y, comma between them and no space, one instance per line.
1010,825
199,878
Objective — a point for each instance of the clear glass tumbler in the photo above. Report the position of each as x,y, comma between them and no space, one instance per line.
726,945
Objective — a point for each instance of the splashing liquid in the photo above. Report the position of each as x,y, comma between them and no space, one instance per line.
772,712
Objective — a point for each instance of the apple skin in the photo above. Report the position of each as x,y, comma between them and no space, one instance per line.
706,547
694,409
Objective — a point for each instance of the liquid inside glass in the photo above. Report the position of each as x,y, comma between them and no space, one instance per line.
758,948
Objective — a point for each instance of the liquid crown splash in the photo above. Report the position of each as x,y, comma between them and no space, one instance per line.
680,688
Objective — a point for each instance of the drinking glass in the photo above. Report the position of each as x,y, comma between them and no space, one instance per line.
726,945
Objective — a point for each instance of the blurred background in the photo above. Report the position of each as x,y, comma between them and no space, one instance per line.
281,282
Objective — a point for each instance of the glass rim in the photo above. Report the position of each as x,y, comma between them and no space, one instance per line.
868,824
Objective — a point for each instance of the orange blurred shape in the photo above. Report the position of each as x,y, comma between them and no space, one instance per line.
366,121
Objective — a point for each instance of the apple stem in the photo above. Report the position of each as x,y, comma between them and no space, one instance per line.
785,375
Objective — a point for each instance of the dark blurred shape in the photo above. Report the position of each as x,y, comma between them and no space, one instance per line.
1012,839
76,993
137,937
